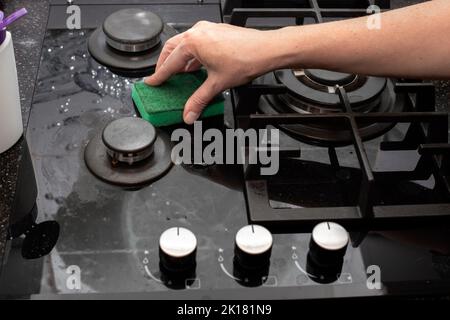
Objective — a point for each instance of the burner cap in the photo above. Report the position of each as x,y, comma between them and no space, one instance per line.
129,140
302,87
305,96
133,30
329,78
140,154
130,53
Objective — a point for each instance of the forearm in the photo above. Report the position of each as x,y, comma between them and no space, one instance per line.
412,42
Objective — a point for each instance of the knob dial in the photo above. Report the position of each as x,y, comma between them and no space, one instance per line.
177,249
253,247
328,244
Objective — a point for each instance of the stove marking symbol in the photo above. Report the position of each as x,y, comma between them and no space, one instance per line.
345,278
196,284
270,281
221,260
147,270
228,274
303,271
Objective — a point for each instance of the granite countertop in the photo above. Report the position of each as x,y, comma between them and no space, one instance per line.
28,35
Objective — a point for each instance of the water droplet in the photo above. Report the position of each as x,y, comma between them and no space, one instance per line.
49,196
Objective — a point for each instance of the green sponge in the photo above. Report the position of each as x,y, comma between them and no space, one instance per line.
163,105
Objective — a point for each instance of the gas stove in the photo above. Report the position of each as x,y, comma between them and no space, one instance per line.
364,162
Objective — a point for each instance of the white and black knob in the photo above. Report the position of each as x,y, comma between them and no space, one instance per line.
253,247
328,244
177,250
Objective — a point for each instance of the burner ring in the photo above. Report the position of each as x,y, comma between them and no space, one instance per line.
329,78
129,140
153,167
133,30
129,64
332,134
369,90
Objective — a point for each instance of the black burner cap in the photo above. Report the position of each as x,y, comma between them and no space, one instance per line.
133,30
129,135
329,78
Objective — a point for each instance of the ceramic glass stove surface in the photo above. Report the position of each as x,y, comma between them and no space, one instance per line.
110,234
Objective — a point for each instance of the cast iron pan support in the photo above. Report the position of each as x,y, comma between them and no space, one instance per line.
428,133
239,15
433,147
231,5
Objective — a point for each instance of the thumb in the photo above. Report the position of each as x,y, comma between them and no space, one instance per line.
199,100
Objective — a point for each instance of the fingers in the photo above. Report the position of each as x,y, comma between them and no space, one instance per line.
167,50
192,65
176,62
199,100
170,45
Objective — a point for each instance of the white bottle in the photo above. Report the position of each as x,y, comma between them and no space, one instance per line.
11,127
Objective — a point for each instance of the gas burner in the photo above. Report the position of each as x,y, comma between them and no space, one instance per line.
328,78
129,152
130,41
313,91
132,30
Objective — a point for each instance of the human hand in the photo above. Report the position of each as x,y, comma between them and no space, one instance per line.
231,55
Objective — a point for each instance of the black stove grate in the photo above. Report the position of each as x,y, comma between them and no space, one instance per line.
237,12
427,133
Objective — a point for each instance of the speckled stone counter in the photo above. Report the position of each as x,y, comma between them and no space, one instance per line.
27,36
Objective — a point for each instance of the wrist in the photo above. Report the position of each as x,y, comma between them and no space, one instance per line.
281,49
288,49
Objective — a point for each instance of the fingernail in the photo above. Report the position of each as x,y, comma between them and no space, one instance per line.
148,80
191,117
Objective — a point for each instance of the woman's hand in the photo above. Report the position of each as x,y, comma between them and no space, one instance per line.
232,56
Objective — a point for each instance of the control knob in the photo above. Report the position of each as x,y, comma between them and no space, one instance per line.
253,247
328,244
177,250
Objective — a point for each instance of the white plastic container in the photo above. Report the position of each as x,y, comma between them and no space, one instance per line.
11,127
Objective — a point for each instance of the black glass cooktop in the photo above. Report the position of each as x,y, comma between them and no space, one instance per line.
109,235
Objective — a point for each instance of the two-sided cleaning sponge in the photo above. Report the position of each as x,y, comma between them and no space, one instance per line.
164,105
